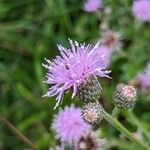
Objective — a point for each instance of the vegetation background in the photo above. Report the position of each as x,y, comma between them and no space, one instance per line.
29,32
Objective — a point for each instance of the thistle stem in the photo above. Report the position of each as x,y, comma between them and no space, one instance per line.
18,133
114,122
115,112
134,120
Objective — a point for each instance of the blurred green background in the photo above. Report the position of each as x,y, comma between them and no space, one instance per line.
29,32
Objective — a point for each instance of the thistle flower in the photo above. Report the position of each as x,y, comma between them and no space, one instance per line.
112,40
141,10
106,52
69,125
92,113
125,96
74,67
144,79
92,5
90,141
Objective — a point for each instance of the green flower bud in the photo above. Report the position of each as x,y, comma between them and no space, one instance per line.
125,96
90,91
92,113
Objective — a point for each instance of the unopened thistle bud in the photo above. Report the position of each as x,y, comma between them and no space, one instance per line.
92,113
90,90
125,96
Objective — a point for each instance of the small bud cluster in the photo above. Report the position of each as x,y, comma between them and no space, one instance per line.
89,93
125,96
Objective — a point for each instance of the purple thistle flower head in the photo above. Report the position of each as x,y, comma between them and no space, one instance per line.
72,68
92,5
69,125
144,79
105,52
141,10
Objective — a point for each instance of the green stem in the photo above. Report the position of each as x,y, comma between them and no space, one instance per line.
115,112
18,133
121,128
134,120
119,144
